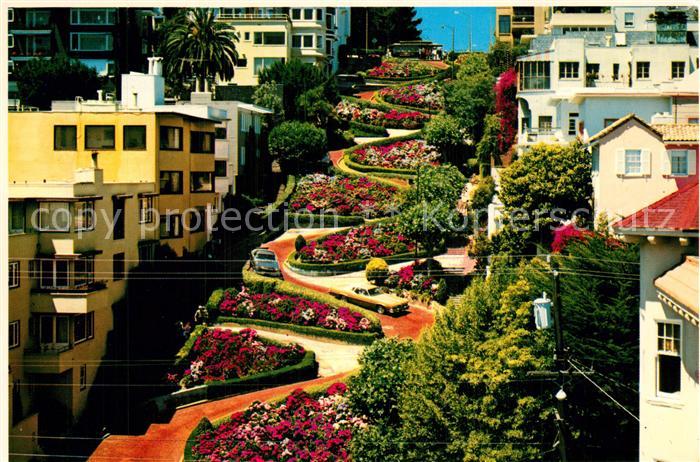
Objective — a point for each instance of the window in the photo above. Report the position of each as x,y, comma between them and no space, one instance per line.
54,216
544,124
10,41
242,61
268,38
616,71
118,267
65,273
92,16
246,36
608,122
118,216
91,41
308,14
220,167
592,71
14,334
30,45
83,327
65,137
10,15
147,252
303,41
319,43
171,138
201,182
573,116
633,161
84,271
220,133
54,331
83,376
693,120
679,162
146,209
262,63
84,216
37,18
629,19
668,357
568,70
296,13
319,14
13,274
677,69
170,226
504,24
99,137
16,217
170,182
134,137
201,142
643,69
198,220
535,75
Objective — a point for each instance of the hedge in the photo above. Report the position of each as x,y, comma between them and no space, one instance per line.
189,343
264,284
383,106
389,172
328,269
379,177
404,107
283,196
360,338
363,128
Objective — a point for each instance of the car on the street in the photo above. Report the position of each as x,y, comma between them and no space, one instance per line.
372,297
264,262
349,84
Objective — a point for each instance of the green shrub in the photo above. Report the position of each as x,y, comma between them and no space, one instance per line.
327,269
441,292
282,196
483,193
376,271
202,427
297,142
189,343
362,129
213,303
299,243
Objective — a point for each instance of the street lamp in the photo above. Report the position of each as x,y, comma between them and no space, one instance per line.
452,67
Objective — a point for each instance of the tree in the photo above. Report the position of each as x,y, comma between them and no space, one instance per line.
471,64
488,147
502,56
470,100
386,26
268,95
507,108
40,81
548,183
198,46
445,133
296,143
315,107
296,78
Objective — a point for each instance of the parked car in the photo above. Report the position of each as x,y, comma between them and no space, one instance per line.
372,297
349,84
264,262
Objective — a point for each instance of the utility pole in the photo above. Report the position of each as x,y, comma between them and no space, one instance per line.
560,361
470,33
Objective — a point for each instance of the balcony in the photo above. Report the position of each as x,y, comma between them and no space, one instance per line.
48,359
252,16
74,300
536,135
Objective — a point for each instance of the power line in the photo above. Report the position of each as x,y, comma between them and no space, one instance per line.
604,392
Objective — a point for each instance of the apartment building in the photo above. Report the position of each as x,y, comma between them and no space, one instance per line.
669,408
636,163
269,35
520,23
109,40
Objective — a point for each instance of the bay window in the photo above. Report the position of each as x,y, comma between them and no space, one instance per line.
534,75
54,332
65,273
83,327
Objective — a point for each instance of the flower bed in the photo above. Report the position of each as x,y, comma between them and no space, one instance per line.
358,243
426,96
408,155
301,428
410,282
219,355
399,70
295,310
352,112
343,196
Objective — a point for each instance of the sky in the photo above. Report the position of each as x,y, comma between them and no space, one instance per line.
482,21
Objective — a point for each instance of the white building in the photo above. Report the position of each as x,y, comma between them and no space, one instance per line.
669,393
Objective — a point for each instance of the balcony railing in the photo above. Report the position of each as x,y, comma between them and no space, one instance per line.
253,16
537,135
523,19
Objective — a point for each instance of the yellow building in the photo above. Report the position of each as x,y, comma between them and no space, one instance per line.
520,23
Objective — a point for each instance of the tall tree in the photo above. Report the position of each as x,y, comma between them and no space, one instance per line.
40,81
296,79
386,25
197,46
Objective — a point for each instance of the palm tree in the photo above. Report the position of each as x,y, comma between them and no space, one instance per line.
196,45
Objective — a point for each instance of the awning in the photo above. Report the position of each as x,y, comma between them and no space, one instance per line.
678,288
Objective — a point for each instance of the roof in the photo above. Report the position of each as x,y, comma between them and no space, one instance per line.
676,212
678,132
621,122
678,288
582,19
255,108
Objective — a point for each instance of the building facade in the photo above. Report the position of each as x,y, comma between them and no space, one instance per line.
520,23
269,35
669,390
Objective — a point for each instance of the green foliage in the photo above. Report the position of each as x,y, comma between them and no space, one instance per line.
315,107
384,26
445,133
299,243
482,194
331,269
196,45
268,95
546,178
487,148
202,427
376,270
296,143
472,64
502,56
360,129
470,100
40,81
184,351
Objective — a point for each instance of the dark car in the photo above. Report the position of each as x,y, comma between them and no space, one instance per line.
264,262
349,84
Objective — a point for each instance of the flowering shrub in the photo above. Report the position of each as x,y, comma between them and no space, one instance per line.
421,95
344,196
294,310
401,70
507,108
357,244
566,233
403,154
349,111
300,429
220,354
410,282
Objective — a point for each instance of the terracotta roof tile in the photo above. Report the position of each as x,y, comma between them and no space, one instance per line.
680,284
678,212
678,132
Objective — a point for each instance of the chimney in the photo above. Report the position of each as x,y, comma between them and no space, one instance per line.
99,95
155,66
